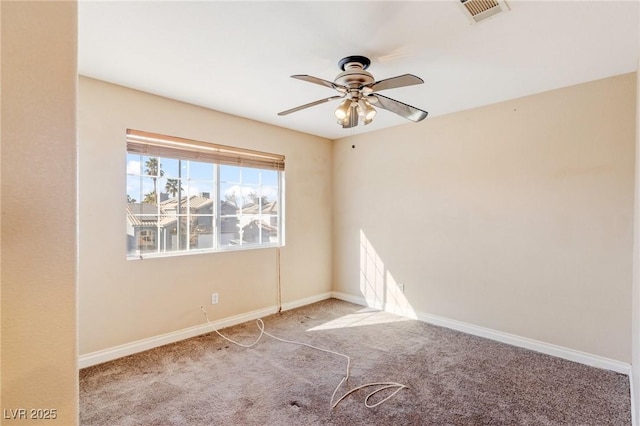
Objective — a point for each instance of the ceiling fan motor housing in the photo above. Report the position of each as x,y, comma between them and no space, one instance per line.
354,75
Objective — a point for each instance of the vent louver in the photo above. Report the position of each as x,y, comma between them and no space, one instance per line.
479,10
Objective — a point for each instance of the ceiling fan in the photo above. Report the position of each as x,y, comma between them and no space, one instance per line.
360,92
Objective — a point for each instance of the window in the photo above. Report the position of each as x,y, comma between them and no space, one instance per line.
147,239
185,196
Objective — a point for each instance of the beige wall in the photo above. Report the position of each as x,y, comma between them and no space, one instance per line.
123,301
517,216
38,294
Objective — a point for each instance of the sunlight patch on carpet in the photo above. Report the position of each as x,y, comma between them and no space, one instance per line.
363,317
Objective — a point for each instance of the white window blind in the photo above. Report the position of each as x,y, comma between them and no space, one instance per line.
157,145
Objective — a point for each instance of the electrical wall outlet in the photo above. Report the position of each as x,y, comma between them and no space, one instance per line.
401,287
214,298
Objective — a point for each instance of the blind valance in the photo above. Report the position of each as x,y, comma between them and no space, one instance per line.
157,145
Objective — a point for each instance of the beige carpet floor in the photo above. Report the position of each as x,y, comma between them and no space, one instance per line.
452,378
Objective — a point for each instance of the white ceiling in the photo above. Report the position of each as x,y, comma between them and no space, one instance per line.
237,57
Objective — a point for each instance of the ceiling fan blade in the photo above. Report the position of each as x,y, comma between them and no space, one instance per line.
393,82
397,107
310,104
316,80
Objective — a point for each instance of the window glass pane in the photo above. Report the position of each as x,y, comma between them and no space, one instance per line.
201,232
269,177
169,167
250,199
175,228
199,191
171,188
273,234
140,240
152,166
250,176
250,229
258,230
147,239
232,194
268,200
229,174
134,164
201,171
141,189
134,192
229,230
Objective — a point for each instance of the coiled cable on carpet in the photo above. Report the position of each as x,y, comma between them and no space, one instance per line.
381,385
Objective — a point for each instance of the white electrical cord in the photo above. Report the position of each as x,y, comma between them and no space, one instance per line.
383,385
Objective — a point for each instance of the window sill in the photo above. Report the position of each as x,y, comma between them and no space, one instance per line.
225,249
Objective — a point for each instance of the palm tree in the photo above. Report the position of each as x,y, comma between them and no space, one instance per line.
150,198
173,187
154,169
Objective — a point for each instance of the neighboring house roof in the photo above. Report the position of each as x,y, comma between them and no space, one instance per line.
142,214
267,208
227,208
194,202
262,224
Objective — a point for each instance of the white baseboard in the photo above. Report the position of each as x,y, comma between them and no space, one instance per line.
306,301
105,355
110,354
358,300
534,345
98,357
511,339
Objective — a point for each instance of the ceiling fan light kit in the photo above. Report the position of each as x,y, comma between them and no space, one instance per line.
343,109
359,90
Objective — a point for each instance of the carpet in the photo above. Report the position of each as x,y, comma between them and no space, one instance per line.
452,378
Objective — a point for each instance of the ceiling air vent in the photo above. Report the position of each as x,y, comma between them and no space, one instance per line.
480,10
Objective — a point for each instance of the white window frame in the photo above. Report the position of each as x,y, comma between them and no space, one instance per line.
158,146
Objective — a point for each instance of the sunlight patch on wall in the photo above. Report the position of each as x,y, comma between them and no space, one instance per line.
378,286
372,283
395,300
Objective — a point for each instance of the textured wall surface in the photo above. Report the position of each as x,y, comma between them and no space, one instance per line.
516,217
123,301
39,78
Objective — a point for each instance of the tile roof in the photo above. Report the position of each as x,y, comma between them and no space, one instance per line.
142,214
267,208
194,202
